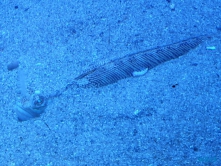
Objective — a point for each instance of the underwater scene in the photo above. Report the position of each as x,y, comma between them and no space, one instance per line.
110,83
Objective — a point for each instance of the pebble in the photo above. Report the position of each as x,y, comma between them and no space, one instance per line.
13,65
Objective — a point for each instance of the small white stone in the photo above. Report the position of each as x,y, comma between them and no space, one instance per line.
38,64
172,6
211,48
37,92
136,112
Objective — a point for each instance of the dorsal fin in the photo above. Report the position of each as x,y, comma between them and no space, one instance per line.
125,67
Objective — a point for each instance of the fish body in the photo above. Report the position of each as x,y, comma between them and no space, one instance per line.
135,64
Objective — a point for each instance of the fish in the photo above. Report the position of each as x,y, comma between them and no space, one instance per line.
136,64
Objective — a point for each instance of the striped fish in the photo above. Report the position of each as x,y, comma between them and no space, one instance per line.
136,64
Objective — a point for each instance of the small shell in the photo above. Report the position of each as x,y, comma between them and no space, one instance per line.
33,109
140,73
